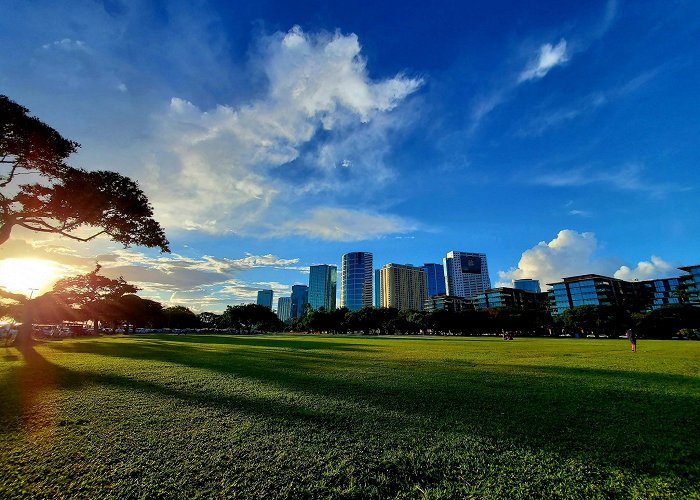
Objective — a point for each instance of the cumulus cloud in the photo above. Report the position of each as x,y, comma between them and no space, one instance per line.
569,254
224,169
159,276
549,56
645,270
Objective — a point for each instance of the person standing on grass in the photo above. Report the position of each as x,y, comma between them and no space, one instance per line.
633,339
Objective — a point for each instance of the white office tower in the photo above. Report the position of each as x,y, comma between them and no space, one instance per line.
466,274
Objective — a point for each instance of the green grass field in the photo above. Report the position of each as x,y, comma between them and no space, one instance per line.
303,416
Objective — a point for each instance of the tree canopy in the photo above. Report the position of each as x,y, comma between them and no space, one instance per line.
91,293
61,199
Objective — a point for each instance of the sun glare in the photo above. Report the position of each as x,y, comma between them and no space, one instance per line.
24,275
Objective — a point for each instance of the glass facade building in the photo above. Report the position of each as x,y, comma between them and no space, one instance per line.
447,302
284,308
435,274
377,288
527,285
593,289
265,298
300,297
690,286
466,274
322,286
512,298
356,280
661,292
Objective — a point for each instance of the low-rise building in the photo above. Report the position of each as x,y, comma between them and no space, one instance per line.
513,298
447,302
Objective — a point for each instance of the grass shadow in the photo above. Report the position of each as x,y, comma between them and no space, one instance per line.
570,412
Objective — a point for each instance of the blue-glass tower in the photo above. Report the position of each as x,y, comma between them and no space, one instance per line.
436,279
300,297
284,308
322,286
377,288
356,280
265,298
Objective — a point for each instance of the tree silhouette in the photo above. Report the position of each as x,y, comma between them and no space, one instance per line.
91,293
61,199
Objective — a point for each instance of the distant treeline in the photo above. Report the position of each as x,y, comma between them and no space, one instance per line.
112,304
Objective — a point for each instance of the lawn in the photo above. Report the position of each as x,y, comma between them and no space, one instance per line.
309,416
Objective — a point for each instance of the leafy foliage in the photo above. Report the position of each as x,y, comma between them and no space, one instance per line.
179,317
65,200
130,309
92,293
249,318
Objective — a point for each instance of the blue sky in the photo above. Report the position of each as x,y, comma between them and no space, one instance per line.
557,137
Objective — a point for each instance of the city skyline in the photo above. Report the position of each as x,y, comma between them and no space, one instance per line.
556,138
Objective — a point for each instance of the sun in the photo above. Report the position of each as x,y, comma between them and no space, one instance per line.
27,276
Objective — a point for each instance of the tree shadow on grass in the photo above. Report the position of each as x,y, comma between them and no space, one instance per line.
565,411
307,343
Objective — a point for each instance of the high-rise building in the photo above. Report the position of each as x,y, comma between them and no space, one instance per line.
435,275
265,298
403,287
322,286
377,288
284,308
300,297
528,285
356,280
466,274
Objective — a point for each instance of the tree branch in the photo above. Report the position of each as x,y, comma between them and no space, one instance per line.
47,228
11,176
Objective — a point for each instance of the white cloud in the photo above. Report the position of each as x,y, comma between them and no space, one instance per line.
548,57
580,213
655,268
341,224
627,178
569,254
226,169
67,44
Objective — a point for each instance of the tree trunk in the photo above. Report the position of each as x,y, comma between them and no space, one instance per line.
5,231
96,326
25,335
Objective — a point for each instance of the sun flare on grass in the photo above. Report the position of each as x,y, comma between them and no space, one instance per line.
24,275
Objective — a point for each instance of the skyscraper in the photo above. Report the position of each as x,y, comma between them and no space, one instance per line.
322,286
284,308
435,274
403,287
265,298
466,274
377,288
356,280
300,297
